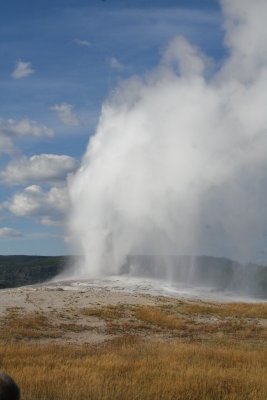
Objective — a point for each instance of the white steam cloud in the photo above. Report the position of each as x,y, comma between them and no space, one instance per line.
178,161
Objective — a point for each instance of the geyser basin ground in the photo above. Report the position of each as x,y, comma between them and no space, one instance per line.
149,286
82,310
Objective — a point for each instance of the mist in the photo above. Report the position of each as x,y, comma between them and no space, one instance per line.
177,165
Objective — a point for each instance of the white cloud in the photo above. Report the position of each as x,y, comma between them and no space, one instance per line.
48,206
6,145
9,233
65,114
10,128
81,42
23,127
22,70
38,168
115,64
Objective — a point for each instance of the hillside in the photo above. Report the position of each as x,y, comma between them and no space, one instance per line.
26,270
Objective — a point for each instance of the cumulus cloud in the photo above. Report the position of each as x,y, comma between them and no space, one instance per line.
65,114
6,145
178,161
81,42
48,206
9,233
115,64
23,127
11,128
22,70
47,168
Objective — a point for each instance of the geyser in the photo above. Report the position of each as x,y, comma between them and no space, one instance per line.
178,163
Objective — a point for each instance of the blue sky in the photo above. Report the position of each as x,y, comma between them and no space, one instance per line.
60,60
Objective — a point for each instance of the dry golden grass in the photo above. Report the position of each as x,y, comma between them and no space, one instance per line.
237,310
128,368
173,350
154,316
16,326
106,313
178,325
30,326
166,319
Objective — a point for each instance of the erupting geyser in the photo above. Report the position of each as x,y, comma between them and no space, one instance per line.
178,163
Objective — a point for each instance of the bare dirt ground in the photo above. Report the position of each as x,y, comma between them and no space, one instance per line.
78,311
91,312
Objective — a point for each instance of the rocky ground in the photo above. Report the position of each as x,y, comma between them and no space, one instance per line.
94,311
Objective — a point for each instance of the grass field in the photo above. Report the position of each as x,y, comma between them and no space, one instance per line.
128,368
172,350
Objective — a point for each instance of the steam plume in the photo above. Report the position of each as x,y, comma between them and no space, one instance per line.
178,161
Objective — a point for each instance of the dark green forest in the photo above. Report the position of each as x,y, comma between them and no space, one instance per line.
26,270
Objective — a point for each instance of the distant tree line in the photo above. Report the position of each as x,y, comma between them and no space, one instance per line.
26,270
217,272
